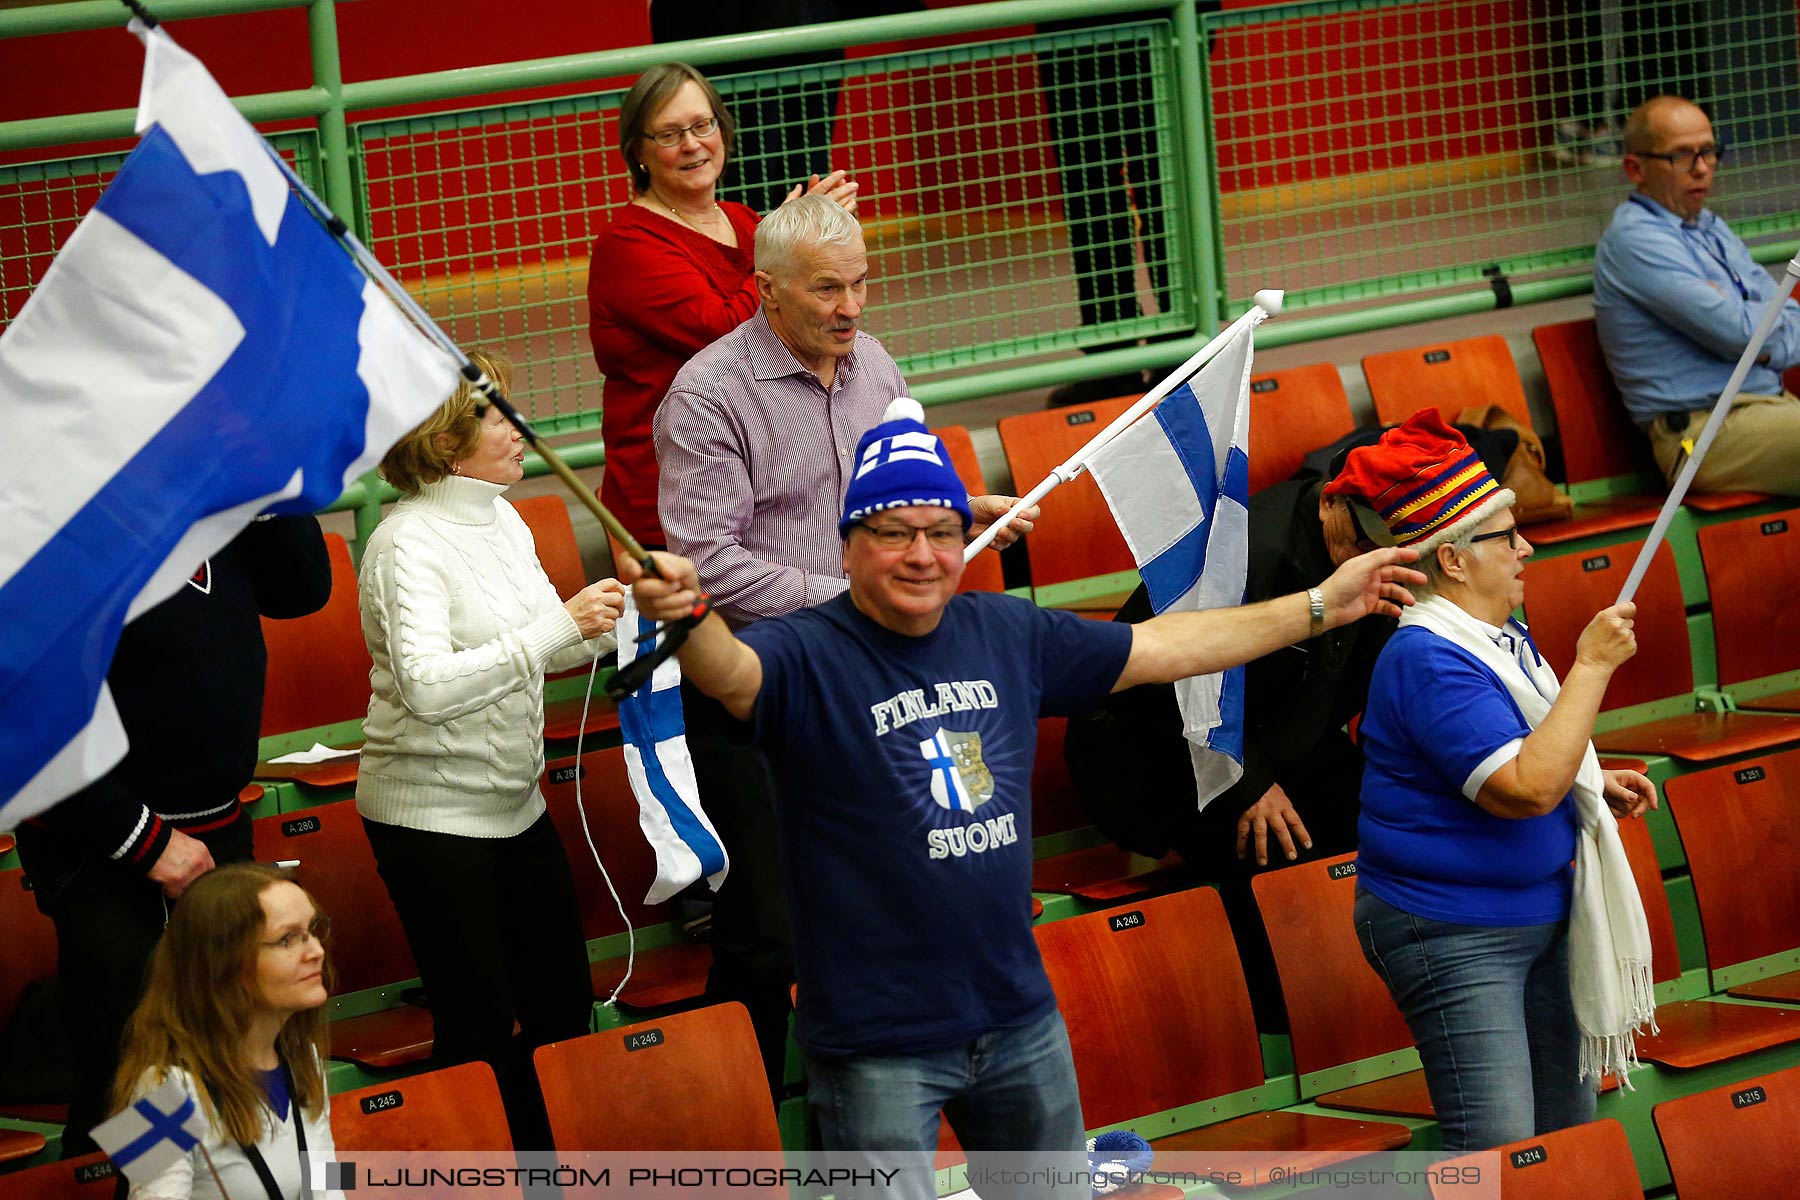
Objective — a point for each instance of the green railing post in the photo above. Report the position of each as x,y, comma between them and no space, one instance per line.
1204,250
334,129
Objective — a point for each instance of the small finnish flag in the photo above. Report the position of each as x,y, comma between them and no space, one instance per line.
153,1133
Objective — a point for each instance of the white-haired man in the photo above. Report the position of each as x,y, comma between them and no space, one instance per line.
901,720
754,442
1676,299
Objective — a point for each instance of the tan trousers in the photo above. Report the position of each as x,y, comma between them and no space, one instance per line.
1757,450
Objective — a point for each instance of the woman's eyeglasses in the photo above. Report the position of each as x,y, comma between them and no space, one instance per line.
1510,533
293,939
670,138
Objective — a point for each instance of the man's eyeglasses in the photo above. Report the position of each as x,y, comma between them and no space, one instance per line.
293,939
1510,533
900,537
670,138
1683,160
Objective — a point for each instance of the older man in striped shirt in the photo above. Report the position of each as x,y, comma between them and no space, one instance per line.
756,441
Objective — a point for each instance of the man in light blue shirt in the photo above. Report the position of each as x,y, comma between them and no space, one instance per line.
1677,297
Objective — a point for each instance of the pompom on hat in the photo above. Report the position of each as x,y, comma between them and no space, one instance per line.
1421,485
902,464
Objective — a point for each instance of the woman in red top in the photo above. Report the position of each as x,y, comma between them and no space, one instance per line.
672,273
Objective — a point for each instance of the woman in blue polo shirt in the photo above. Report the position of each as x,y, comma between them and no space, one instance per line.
1521,976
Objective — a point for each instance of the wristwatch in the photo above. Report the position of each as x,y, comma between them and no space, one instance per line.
1317,599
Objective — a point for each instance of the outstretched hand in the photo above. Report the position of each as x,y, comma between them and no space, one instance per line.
669,598
1370,583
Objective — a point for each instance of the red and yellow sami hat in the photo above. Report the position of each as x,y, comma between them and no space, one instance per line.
1421,485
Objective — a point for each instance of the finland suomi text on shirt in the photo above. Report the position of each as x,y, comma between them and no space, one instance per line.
962,695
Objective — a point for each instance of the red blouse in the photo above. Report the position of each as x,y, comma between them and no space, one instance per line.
658,293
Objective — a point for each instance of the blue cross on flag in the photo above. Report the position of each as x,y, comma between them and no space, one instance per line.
1178,483
201,351
662,772
153,1132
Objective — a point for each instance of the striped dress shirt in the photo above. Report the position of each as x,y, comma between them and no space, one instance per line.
755,456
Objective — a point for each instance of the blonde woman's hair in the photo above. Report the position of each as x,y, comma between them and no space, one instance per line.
199,1000
428,453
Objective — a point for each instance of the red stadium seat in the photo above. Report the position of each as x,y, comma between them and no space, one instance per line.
1598,439
368,946
1339,1011
1694,1033
1735,1141
689,1081
27,956
1561,597
1584,1162
1077,537
1752,565
1100,873
1167,968
318,674
90,1177
661,975
1293,413
984,573
1448,376
1740,828
454,1109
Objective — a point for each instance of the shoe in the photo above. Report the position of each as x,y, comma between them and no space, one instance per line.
1089,391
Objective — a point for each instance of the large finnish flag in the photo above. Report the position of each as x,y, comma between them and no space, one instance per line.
662,772
1178,482
201,351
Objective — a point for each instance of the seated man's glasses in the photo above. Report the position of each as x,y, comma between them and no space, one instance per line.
1683,160
670,138
947,536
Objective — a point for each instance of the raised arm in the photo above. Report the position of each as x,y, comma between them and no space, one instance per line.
712,658
1178,645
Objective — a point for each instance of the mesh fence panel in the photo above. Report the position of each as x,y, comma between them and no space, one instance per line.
42,202
1016,197
1380,149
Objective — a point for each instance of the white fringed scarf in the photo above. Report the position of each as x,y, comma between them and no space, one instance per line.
1609,939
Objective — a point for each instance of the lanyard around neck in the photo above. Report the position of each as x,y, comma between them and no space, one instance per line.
261,1166
1708,240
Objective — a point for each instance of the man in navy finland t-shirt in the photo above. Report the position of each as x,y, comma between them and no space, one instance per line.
901,721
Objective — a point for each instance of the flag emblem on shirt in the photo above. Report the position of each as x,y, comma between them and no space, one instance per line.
960,779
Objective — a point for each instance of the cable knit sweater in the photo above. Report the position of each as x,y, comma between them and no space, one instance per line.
462,625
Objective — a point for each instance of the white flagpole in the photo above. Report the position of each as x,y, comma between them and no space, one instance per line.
1746,360
1266,304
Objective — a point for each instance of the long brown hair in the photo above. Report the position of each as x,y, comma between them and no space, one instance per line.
199,1000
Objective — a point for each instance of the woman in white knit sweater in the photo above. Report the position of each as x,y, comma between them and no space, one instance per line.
462,625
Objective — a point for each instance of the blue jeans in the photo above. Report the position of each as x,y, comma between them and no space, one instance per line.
1010,1090
1490,1012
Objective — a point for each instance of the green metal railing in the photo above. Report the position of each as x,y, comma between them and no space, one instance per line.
1369,151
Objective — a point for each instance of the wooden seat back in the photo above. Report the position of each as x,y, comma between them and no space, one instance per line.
319,664
1292,413
1447,376
1598,438
1563,594
1752,567
1583,1162
1730,1142
1077,536
983,573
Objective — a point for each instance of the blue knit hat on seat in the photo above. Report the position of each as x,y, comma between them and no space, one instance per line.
900,464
